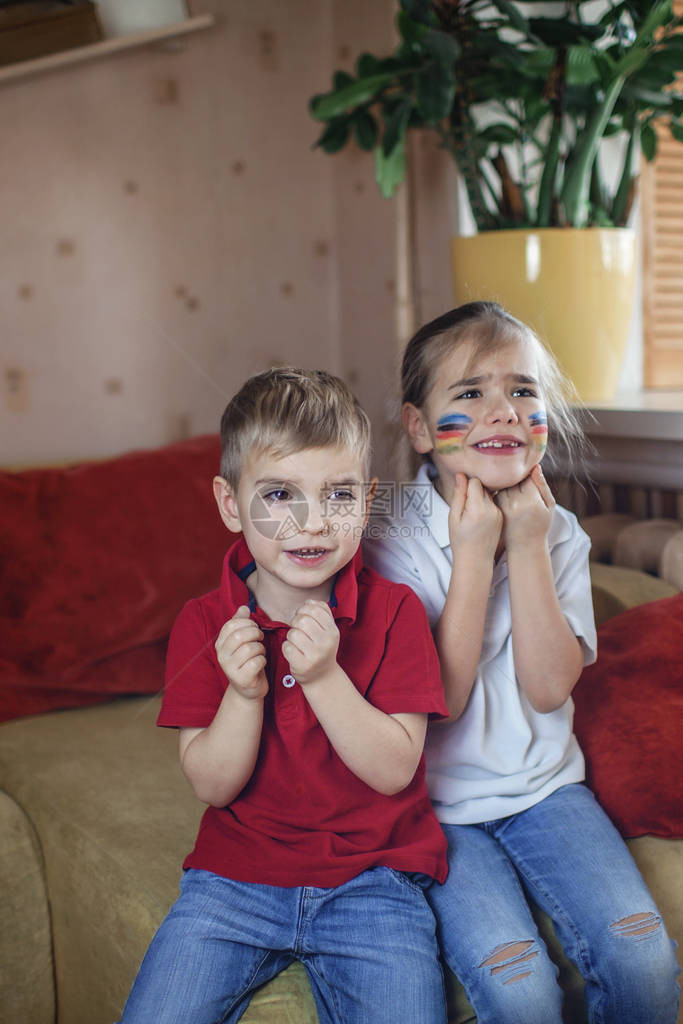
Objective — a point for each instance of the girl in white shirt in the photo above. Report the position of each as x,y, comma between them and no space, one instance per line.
503,574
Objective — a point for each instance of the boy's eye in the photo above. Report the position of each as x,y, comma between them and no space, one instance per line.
276,495
342,494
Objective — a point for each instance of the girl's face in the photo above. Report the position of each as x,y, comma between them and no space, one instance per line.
486,420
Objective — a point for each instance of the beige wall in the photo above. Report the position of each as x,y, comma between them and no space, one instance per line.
167,230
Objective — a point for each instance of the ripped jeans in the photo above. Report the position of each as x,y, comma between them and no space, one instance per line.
567,857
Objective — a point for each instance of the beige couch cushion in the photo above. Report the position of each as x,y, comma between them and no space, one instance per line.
116,818
25,943
615,589
104,788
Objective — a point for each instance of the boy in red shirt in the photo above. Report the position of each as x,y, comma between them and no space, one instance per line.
301,689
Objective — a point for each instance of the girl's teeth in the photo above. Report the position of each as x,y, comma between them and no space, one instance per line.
498,444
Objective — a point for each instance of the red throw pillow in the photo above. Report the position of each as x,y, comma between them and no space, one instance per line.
629,719
96,560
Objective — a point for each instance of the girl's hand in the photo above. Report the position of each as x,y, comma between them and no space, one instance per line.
474,519
242,656
312,642
527,511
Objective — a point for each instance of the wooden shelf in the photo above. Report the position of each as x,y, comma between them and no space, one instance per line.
104,48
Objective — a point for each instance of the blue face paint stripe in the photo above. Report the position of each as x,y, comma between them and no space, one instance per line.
452,419
538,419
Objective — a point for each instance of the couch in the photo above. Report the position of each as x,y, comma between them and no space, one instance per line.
95,815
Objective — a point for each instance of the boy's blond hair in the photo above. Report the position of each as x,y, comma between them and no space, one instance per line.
286,409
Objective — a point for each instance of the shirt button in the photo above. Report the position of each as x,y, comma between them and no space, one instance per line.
288,681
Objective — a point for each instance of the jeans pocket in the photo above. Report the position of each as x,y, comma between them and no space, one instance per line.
413,880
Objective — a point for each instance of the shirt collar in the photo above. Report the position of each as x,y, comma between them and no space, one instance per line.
239,564
436,514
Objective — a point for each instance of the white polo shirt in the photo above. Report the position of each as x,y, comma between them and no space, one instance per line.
501,756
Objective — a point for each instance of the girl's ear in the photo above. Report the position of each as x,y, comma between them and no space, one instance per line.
416,428
227,504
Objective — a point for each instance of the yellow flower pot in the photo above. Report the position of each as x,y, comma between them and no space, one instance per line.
574,286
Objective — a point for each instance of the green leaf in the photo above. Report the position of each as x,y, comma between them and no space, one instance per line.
419,10
411,31
539,61
503,134
332,104
434,93
674,42
515,17
613,128
367,65
648,141
658,100
612,14
340,79
657,15
395,127
651,77
666,59
605,68
535,107
582,66
365,129
442,47
390,170
563,31
676,130
334,136
631,62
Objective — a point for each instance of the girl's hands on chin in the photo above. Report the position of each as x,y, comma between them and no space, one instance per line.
527,510
474,519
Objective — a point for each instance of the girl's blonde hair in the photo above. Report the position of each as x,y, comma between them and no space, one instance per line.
284,410
488,328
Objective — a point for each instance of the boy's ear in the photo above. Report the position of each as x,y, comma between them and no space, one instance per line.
227,504
416,428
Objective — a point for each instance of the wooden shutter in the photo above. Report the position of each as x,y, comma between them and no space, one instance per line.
662,228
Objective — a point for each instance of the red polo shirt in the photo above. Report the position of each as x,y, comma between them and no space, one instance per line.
304,818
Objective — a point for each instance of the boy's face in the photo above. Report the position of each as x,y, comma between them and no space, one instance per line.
302,516
486,421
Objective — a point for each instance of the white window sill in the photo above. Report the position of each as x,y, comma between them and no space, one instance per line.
639,439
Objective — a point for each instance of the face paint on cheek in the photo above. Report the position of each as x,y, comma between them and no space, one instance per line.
539,430
450,430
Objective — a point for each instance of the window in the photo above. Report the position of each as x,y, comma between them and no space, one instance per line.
662,228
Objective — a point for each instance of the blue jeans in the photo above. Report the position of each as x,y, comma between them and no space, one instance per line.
567,857
368,946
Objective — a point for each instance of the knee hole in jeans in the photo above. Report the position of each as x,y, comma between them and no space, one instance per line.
511,959
636,925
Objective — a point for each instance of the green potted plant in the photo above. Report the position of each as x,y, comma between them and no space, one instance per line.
522,96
